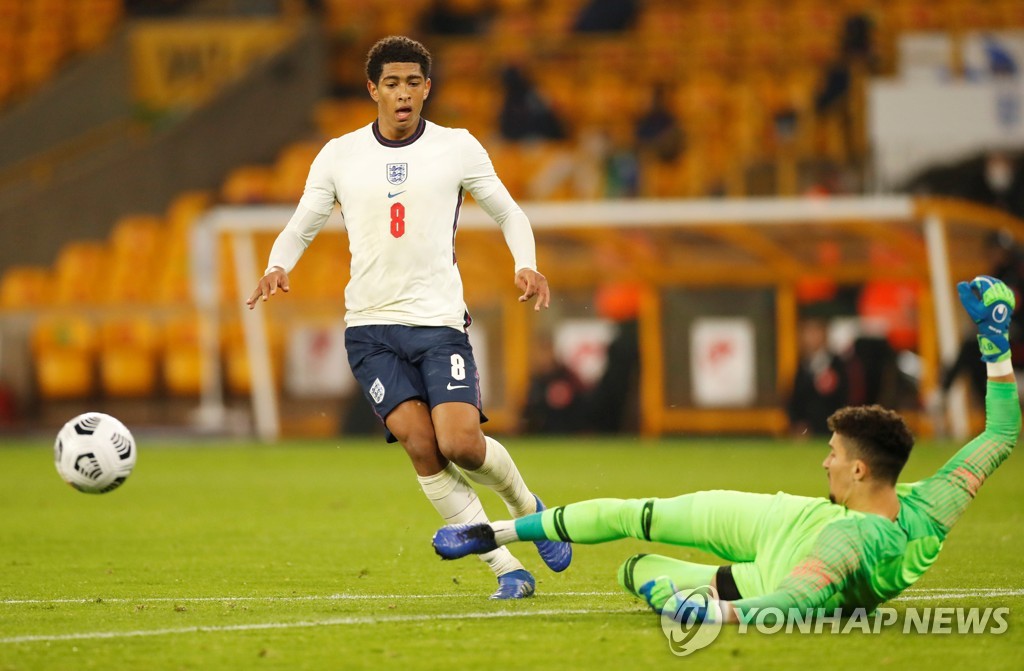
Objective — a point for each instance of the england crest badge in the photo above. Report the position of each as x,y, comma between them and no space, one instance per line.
397,172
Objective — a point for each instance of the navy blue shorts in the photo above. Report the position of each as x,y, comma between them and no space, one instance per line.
395,363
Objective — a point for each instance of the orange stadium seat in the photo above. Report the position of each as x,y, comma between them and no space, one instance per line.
290,170
136,259
26,287
237,375
964,16
248,184
63,349
41,53
127,357
1011,13
79,271
181,358
93,21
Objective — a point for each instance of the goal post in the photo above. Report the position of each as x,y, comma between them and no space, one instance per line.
672,248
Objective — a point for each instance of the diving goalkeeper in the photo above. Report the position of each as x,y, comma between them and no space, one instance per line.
870,540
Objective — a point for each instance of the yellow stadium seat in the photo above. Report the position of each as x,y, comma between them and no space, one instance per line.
137,255
24,287
127,357
290,171
93,21
186,206
237,375
64,347
79,269
248,184
136,235
1011,14
181,359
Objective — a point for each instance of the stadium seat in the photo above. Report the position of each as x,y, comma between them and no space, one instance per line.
93,21
26,287
181,358
127,357
235,358
78,270
137,256
63,349
248,184
290,170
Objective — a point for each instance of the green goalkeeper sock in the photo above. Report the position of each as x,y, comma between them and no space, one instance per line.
638,569
594,521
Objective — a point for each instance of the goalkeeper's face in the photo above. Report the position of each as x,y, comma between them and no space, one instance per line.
842,468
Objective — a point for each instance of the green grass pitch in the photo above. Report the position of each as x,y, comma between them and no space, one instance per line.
317,556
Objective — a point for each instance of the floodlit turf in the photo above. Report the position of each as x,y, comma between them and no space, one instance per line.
317,556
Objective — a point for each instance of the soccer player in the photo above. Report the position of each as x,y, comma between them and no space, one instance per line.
400,182
866,543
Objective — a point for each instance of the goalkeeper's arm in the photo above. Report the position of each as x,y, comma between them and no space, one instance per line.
990,304
835,558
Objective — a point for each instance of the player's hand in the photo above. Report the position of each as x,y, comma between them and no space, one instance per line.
276,279
532,283
686,607
990,304
657,592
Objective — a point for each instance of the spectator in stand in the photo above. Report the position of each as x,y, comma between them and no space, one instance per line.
457,17
555,399
605,16
1000,184
820,386
525,114
658,133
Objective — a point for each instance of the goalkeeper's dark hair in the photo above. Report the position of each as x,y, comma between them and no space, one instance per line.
396,49
877,436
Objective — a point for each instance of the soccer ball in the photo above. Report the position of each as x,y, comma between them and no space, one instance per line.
94,453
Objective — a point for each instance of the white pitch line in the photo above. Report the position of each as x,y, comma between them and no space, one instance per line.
330,622
913,595
987,594
313,597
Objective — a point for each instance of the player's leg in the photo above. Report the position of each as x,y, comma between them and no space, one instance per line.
727,524
392,387
449,372
642,568
484,460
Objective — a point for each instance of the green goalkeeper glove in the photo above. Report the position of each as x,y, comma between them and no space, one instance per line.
990,304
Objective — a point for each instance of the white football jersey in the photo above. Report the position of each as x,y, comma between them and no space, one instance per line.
401,202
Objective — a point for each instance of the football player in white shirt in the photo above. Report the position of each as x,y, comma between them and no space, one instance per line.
400,182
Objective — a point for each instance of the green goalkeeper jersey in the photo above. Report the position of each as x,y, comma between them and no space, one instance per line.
861,560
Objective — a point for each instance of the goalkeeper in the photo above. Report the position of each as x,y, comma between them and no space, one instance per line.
865,544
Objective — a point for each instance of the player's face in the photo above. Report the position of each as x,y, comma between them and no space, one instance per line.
399,96
840,468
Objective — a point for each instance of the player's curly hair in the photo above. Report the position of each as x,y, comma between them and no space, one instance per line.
878,436
396,49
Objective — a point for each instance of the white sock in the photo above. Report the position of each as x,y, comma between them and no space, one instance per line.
455,499
499,473
505,532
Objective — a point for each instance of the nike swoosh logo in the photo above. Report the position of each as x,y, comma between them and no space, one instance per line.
392,195
458,386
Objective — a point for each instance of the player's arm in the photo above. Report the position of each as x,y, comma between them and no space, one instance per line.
990,304
835,558
483,183
314,209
